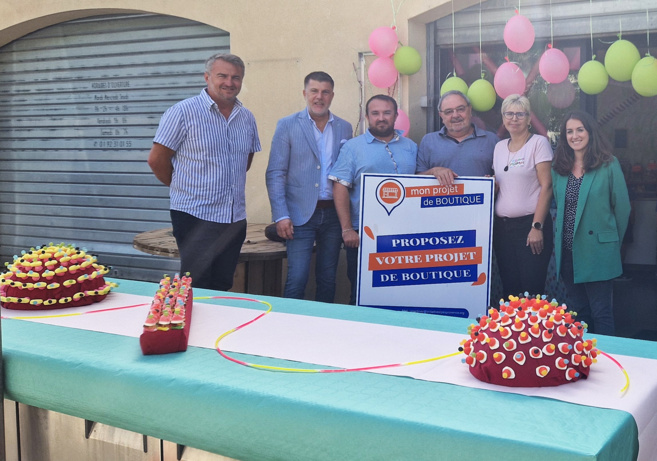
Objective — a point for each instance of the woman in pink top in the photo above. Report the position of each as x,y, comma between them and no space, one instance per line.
522,231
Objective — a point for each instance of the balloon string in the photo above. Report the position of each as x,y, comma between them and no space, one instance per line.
395,11
591,23
648,29
453,40
481,57
620,24
507,48
551,31
620,28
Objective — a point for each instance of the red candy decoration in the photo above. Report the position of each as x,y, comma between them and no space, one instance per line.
544,340
69,278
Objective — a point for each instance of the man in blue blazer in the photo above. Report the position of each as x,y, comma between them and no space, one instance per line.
304,148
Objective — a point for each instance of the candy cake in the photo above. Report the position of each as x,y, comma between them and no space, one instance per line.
529,342
166,328
53,277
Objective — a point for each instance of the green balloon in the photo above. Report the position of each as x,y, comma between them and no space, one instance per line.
482,95
454,83
407,60
593,77
620,60
644,77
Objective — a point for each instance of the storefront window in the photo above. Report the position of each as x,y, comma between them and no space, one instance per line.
630,122
628,119
549,101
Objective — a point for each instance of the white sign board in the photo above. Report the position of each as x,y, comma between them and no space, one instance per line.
425,247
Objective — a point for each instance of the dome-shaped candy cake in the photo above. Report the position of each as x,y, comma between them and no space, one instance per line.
529,342
53,277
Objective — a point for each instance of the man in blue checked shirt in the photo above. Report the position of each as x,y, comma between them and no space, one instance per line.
304,147
381,149
202,150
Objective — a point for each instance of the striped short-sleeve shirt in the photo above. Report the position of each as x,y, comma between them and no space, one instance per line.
209,166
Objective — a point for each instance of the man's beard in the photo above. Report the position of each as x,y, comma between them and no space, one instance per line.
388,131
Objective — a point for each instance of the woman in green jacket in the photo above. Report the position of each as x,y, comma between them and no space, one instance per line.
593,209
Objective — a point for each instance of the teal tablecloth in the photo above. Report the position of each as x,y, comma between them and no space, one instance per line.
201,400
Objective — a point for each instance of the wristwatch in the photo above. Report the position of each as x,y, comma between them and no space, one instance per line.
537,225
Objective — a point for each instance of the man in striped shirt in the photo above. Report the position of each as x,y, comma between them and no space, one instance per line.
202,150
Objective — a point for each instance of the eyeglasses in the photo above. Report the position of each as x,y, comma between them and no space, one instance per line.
449,112
519,115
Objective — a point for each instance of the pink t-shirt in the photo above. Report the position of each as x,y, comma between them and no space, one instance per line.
518,185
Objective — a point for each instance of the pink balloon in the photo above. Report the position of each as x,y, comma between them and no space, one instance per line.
561,95
554,66
519,34
508,80
383,41
402,123
382,72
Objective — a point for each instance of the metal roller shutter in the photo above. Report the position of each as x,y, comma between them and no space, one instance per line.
80,102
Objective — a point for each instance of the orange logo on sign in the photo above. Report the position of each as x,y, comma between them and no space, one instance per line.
390,192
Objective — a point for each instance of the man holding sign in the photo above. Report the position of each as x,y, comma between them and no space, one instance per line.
459,148
381,149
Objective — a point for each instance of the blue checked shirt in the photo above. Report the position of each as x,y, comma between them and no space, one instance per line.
209,166
367,154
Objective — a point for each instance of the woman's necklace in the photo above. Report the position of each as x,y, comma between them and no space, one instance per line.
578,170
509,159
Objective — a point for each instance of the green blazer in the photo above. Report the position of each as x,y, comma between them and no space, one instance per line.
603,211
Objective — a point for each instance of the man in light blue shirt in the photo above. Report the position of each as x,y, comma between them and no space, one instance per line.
381,149
304,148
202,149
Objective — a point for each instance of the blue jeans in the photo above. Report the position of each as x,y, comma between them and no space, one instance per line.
593,301
352,272
323,228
